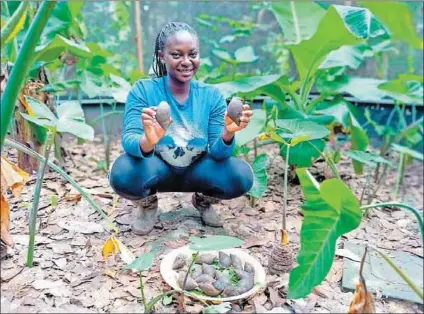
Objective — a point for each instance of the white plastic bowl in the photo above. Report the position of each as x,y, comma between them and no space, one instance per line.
170,275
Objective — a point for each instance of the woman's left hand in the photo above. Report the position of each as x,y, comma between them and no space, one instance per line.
232,127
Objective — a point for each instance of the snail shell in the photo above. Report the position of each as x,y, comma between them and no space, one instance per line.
209,270
224,259
235,109
205,259
190,283
249,268
196,271
163,115
204,278
209,289
179,262
236,261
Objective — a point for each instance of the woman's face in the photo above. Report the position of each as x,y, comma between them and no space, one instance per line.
181,56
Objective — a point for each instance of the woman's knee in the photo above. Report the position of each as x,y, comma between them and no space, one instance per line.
121,174
242,177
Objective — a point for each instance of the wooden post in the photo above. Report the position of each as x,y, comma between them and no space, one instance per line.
138,37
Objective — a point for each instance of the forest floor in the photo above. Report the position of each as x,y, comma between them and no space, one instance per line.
69,272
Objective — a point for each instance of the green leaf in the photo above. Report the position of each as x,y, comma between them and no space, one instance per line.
143,262
72,120
301,130
245,55
368,158
216,309
303,154
213,243
245,85
340,109
167,300
360,141
408,151
260,176
397,17
330,211
53,49
40,109
14,24
223,55
340,26
255,126
347,56
298,19
409,92
45,123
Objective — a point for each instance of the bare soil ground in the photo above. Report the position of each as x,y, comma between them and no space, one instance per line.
69,272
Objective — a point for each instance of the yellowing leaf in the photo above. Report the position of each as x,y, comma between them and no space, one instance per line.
126,255
26,105
5,222
362,301
110,247
12,177
110,272
19,24
284,237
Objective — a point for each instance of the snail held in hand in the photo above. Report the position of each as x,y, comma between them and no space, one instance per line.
163,115
235,109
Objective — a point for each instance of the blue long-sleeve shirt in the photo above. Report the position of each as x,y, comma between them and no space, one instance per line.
197,124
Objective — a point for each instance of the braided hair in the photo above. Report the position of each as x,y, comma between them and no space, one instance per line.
167,31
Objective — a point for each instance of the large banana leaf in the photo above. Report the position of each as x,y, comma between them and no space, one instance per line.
397,17
347,56
340,110
298,19
405,91
330,210
245,84
52,50
341,25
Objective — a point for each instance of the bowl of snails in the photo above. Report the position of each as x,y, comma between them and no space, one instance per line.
224,275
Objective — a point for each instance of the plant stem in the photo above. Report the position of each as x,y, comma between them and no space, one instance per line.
22,64
399,175
36,199
400,273
142,291
286,168
153,301
233,71
94,121
189,268
367,182
401,205
59,170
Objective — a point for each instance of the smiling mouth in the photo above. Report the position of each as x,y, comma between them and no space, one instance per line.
185,71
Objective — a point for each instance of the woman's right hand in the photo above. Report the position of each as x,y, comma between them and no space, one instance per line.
152,129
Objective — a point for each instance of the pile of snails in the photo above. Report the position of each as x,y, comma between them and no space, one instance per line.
224,276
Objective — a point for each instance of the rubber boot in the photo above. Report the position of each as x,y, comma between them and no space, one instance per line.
203,204
144,214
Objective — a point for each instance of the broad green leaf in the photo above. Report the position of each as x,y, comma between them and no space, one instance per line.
340,109
223,55
260,176
40,109
327,216
72,120
411,77
298,129
53,49
408,151
143,262
298,19
360,141
409,92
14,24
371,159
255,126
245,55
245,85
340,26
120,81
397,17
303,154
45,123
213,243
347,56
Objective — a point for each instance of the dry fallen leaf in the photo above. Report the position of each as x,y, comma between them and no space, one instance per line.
362,301
14,179
110,247
80,226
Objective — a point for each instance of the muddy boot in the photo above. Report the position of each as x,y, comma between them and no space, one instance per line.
144,214
203,204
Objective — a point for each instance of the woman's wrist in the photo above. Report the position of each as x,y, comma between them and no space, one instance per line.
227,136
145,145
